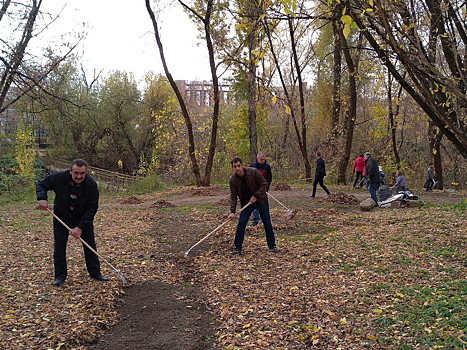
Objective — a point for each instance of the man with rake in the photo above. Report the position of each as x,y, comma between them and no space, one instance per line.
249,185
76,203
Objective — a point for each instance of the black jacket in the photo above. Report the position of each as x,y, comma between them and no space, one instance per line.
77,212
320,172
372,170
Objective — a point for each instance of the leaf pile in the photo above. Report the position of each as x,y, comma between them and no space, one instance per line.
280,186
340,198
198,193
162,204
132,200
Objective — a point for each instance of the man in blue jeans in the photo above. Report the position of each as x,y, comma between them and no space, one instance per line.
372,174
249,186
265,169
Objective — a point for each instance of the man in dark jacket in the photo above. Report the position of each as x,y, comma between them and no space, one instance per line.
76,202
372,174
320,173
250,187
265,169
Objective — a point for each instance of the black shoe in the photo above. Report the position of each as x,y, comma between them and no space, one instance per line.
273,250
58,282
100,277
236,251
254,223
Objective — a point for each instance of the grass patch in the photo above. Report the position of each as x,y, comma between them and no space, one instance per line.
430,317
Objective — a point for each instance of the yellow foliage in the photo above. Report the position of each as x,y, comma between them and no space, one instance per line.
25,153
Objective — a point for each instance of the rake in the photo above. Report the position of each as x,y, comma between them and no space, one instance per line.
290,212
217,228
125,282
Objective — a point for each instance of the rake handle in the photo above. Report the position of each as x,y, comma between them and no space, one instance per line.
277,200
218,227
82,240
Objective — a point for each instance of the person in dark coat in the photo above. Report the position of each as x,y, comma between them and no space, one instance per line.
373,175
430,178
320,173
76,203
265,169
248,185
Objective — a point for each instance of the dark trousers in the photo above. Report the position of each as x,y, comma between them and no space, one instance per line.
243,221
60,241
358,177
320,181
429,184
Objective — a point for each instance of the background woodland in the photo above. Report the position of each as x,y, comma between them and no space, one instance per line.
339,77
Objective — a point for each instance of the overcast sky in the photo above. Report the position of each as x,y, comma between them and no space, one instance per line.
120,36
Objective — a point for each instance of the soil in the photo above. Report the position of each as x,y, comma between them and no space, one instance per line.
159,316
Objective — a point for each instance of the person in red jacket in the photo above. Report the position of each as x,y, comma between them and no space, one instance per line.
358,169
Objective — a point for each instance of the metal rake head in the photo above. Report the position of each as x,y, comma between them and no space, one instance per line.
291,213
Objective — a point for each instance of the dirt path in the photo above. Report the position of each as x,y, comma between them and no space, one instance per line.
157,315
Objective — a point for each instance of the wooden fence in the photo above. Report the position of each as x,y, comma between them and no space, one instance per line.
109,179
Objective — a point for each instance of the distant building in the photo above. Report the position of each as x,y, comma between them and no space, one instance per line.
200,93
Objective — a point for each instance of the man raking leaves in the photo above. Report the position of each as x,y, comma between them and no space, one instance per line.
76,203
248,185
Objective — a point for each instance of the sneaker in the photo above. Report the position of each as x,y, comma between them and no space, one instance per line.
273,250
254,223
236,251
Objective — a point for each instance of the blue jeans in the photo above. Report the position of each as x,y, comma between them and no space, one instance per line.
255,217
372,188
243,221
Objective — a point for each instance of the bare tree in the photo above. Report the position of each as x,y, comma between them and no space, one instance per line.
18,23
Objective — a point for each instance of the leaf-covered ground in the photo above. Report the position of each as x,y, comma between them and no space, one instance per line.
343,279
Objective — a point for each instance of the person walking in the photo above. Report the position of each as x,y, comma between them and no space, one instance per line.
76,203
265,169
430,178
248,185
372,173
399,185
358,168
320,173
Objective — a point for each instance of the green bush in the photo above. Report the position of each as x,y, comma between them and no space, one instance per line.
9,178
147,184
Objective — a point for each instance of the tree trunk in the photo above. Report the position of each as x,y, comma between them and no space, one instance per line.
392,124
337,78
435,153
252,99
351,114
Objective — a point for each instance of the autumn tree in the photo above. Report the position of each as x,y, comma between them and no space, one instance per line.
161,126
428,39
